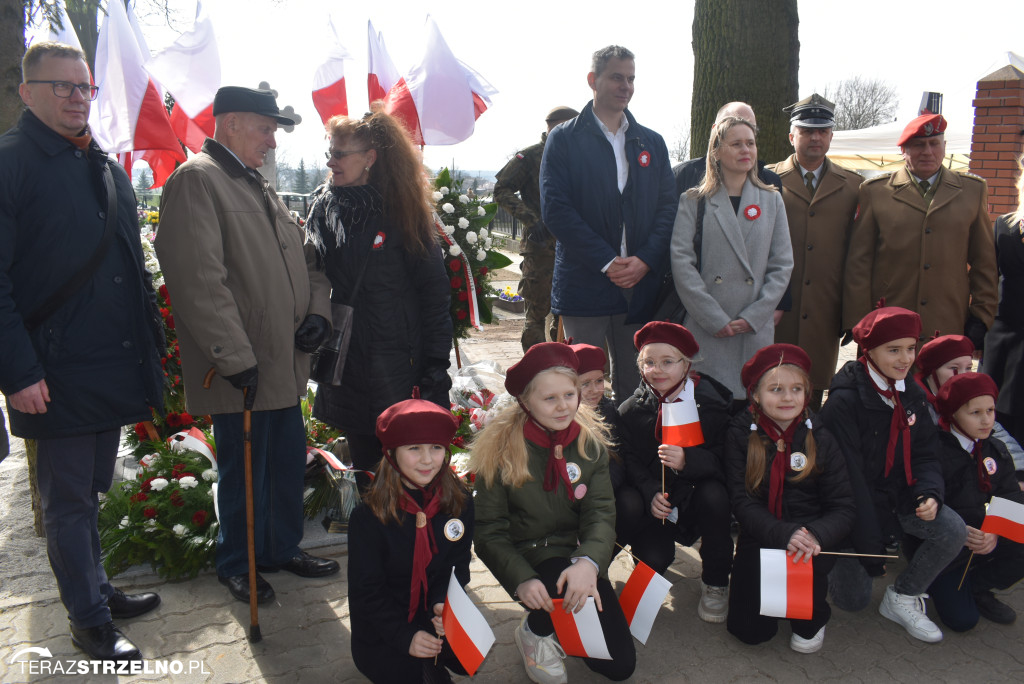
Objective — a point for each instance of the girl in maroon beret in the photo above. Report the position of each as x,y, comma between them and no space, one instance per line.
414,525
545,512
976,468
789,489
892,455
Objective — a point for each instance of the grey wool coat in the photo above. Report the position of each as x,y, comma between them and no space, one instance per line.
746,261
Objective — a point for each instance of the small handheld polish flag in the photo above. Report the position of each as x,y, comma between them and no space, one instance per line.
465,627
680,424
787,588
1005,518
580,634
641,599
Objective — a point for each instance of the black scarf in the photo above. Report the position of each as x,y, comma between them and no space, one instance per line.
336,210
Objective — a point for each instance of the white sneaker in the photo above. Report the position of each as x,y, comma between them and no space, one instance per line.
812,645
909,611
542,656
714,603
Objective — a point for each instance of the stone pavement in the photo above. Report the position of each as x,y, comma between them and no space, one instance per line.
305,631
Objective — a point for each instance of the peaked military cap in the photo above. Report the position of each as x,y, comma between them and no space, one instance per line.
812,112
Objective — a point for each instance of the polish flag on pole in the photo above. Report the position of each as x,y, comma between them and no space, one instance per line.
440,99
329,97
66,33
680,424
465,627
1005,518
641,599
580,634
787,588
190,71
381,73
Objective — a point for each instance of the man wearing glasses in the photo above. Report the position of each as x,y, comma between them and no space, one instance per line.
249,303
79,328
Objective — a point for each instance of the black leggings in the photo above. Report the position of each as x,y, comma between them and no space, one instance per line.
613,622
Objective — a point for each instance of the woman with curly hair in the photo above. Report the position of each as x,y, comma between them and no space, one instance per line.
371,225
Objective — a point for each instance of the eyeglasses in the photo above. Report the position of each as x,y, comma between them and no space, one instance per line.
338,155
665,365
65,89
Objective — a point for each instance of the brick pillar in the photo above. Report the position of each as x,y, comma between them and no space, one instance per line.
998,139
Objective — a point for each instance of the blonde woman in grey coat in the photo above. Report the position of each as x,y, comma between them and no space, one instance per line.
746,258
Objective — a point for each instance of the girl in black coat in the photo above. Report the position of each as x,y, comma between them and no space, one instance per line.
397,585
789,489
975,468
684,486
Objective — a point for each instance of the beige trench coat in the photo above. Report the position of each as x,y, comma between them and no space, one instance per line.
239,281
819,229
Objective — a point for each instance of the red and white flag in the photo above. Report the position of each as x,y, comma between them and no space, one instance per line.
787,588
329,96
1005,518
642,598
441,98
381,74
680,424
465,628
580,634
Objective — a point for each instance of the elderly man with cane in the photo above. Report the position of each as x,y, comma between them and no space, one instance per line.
249,303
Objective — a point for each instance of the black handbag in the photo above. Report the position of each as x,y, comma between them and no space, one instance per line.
669,307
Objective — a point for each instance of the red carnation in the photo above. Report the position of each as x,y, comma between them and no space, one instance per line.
170,321
460,314
456,282
455,265
186,419
165,312
173,419
140,432
176,499
483,270
176,469
199,518
138,496
163,293
149,512
463,296
145,483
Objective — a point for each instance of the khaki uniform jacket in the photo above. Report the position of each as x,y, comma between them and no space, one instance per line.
916,255
239,281
819,229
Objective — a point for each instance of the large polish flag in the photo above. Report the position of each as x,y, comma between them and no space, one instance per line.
129,113
381,74
1005,518
680,423
329,97
465,627
441,98
641,599
787,588
580,634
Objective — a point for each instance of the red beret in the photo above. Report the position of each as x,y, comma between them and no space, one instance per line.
663,332
590,358
416,421
924,126
770,357
942,350
885,325
537,358
960,389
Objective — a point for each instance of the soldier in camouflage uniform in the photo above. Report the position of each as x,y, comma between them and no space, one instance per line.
522,174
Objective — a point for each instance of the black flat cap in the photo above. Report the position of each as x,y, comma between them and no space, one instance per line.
239,99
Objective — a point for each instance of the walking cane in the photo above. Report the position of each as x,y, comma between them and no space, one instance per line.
250,535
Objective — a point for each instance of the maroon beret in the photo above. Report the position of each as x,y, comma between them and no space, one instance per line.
924,126
590,358
416,421
663,332
537,358
960,389
885,325
940,351
770,357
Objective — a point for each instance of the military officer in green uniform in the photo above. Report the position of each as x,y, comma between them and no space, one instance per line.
522,174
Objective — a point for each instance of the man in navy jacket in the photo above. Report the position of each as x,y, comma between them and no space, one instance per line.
608,195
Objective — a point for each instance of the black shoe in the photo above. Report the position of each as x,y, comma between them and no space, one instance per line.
238,585
993,609
105,642
305,565
124,605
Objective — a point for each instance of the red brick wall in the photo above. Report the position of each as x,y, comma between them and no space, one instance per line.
998,139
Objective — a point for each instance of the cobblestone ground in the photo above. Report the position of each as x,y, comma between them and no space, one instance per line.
305,631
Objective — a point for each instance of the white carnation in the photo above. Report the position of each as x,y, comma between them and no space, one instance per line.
125,522
481,255
436,196
463,223
209,474
179,530
449,230
150,525
480,211
188,482
448,208
443,190
464,199
487,243
471,237
483,233
158,484
455,250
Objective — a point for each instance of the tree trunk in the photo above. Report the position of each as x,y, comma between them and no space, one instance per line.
12,49
745,50
33,487
83,17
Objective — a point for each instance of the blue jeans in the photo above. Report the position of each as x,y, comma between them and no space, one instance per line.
1000,569
278,467
71,472
942,539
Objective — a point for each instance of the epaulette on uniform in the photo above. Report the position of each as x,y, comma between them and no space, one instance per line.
968,174
880,177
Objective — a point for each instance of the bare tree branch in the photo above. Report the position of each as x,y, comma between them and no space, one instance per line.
862,102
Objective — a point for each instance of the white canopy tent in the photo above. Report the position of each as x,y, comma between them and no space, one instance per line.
873,150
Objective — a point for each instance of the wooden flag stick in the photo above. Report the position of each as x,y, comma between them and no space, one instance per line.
857,555
966,567
663,488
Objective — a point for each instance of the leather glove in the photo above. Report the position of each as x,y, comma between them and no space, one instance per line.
538,233
975,331
246,381
435,382
311,333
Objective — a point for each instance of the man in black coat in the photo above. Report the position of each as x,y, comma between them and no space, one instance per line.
79,361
